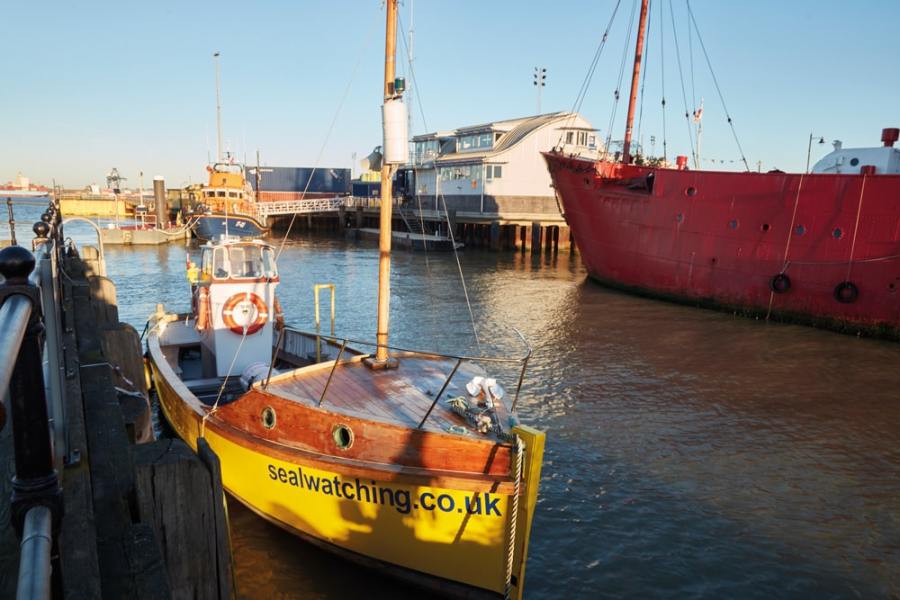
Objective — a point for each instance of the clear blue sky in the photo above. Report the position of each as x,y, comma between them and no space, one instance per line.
91,85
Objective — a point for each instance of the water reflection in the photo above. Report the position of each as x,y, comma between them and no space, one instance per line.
689,452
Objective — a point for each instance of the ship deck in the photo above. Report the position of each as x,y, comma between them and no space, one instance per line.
401,396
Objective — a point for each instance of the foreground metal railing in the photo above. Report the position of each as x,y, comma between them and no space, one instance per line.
460,359
29,316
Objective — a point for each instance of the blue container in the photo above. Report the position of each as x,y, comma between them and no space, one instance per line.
325,180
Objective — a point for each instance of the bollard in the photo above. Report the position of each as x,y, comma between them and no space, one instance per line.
12,222
35,482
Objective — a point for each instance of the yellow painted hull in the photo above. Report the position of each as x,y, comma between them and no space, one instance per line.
459,536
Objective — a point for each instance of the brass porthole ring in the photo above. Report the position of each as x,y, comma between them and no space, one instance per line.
343,436
268,417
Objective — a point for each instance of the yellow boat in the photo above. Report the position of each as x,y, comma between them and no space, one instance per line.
411,462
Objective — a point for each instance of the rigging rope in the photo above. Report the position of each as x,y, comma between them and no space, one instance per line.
643,84
718,89
787,245
687,116
662,70
612,116
856,227
334,119
215,405
461,276
585,84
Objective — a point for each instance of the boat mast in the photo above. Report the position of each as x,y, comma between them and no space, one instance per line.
218,113
635,76
384,238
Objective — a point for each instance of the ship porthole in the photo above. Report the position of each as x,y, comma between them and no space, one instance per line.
800,229
780,283
733,224
765,227
679,218
838,233
343,436
691,191
854,162
268,417
846,292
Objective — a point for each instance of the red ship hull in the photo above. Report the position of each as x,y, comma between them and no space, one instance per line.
720,239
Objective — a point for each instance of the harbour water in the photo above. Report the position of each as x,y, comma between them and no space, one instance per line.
690,453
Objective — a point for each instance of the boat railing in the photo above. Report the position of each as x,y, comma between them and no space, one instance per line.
522,361
30,333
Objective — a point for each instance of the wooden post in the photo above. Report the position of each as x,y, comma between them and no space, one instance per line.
536,231
494,232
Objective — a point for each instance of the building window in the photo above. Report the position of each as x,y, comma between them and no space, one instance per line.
498,171
469,143
497,136
489,171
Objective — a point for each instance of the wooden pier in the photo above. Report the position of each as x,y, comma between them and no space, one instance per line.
100,508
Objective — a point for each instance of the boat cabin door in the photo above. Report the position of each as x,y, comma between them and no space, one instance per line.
239,280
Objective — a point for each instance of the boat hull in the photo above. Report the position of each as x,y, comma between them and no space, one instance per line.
213,226
720,239
449,533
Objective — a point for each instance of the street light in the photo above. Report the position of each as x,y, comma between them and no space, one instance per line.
809,148
540,80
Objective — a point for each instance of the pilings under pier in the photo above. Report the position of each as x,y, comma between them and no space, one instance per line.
536,237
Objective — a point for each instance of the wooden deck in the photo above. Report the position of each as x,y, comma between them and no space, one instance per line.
399,396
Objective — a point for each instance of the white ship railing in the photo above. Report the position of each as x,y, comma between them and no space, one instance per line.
309,205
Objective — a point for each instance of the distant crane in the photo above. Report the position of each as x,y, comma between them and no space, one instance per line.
114,180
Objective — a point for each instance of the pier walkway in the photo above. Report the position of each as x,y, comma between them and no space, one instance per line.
91,505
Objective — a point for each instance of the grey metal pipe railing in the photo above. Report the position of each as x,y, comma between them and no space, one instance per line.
34,552
14,315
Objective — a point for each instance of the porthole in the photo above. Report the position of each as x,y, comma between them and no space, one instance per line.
854,162
838,233
765,227
268,417
343,436
679,218
800,229
691,191
733,224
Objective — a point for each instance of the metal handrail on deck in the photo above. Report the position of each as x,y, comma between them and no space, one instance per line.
459,360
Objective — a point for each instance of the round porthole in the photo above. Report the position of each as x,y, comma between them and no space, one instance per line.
854,162
838,233
691,191
268,417
343,436
679,218
733,224
800,229
765,227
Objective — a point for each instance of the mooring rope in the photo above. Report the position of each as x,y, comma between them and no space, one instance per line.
513,518
215,405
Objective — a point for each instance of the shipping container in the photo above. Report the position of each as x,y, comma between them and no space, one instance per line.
324,180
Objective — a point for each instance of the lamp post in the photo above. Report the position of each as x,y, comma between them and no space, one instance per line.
540,80
809,148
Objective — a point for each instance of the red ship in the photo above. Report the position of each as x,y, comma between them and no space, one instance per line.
820,248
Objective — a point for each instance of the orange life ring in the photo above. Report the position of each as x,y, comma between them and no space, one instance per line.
202,308
262,313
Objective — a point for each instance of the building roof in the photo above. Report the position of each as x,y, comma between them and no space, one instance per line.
519,129
504,125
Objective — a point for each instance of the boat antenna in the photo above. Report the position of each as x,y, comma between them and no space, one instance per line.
384,238
218,113
635,78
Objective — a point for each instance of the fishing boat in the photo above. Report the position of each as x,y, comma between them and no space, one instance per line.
821,248
226,206
411,462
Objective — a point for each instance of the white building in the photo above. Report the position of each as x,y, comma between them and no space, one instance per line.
495,170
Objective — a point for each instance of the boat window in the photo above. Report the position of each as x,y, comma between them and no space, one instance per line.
232,194
206,269
252,262
220,193
220,264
